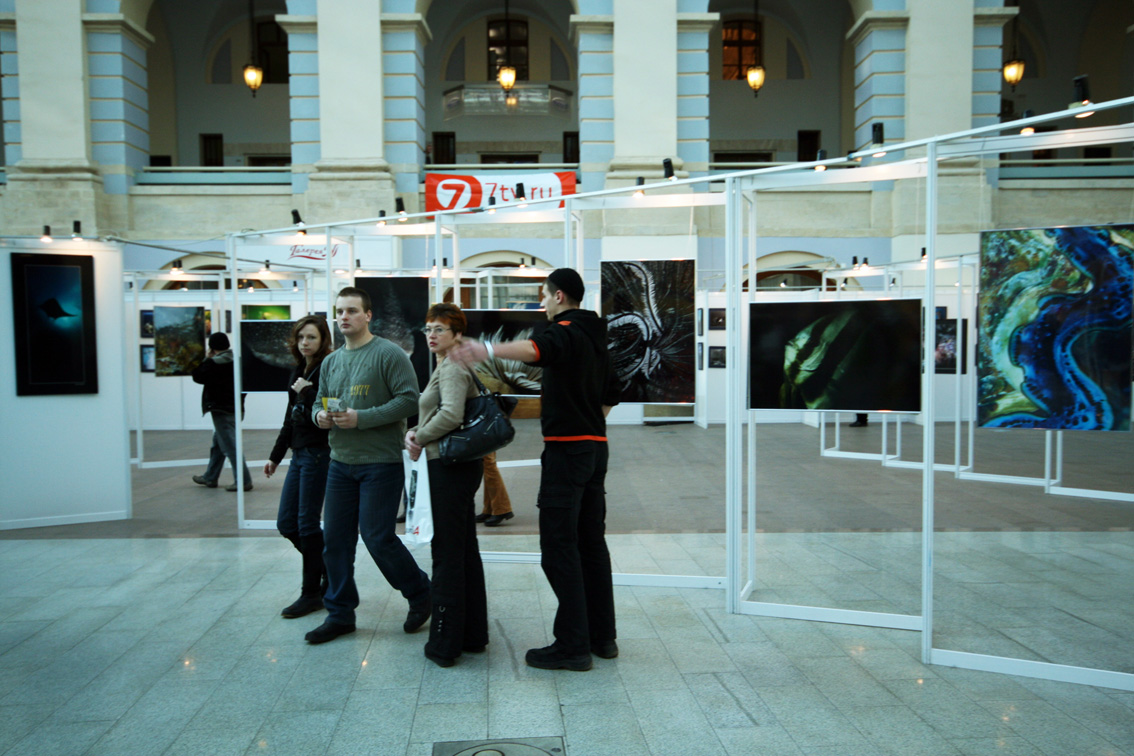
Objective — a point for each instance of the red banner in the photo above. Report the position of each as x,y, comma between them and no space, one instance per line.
447,193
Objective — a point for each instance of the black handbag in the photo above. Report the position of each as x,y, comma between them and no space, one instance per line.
485,429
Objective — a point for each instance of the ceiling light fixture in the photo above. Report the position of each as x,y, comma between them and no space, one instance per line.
301,227
253,74
756,73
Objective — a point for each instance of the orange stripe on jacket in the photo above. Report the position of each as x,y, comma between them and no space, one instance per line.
535,348
574,438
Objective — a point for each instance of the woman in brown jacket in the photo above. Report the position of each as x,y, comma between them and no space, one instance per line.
460,606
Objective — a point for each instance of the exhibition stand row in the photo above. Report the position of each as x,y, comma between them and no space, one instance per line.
708,347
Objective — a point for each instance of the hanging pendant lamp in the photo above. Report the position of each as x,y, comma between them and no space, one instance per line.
253,74
755,73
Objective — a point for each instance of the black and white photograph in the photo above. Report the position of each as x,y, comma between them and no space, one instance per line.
717,357
648,306
716,318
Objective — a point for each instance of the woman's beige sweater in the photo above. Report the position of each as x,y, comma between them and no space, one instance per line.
441,407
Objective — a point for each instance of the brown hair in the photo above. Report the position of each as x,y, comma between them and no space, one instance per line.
325,345
450,315
354,291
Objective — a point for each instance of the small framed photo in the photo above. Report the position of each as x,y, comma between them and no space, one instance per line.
716,357
942,313
147,358
700,321
716,323
147,323
700,355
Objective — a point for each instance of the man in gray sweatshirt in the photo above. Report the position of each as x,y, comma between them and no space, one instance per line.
366,393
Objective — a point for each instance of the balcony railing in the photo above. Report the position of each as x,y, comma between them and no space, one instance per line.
490,99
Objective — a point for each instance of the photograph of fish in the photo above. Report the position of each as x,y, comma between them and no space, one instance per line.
265,312
648,306
146,318
179,338
54,324
950,346
507,376
265,359
1054,328
399,305
857,356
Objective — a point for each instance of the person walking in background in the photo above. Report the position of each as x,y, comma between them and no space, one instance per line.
301,501
579,388
218,399
460,604
366,392
497,504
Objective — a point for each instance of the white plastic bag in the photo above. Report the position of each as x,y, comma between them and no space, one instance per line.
419,515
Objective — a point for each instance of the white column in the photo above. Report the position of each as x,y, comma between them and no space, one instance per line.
53,97
939,67
350,81
645,87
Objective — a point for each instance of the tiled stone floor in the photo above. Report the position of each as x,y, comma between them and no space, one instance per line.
174,646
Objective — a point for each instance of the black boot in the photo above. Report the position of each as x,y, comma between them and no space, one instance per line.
314,577
445,631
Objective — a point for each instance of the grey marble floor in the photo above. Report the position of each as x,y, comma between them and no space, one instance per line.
174,646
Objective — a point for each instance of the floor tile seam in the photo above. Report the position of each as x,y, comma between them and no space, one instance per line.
215,684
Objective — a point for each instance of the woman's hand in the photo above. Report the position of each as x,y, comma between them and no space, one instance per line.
300,384
412,446
269,468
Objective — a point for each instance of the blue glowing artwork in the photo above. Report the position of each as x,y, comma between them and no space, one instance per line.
1054,328
54,318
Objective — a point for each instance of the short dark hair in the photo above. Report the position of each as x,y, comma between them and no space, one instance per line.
320,324
218,342
354,291
450,315
569,282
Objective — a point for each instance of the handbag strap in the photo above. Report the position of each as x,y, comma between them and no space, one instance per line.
479,386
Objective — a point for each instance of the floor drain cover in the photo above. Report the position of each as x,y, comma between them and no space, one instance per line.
509,747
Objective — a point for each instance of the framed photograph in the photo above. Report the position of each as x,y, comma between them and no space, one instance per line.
399,304
852,356
700,321
265,312
146,320
266,361
147,355
648,306
716,357
509,377
950,344
700,356
53,303
179,338
716,318
1054,328
942,312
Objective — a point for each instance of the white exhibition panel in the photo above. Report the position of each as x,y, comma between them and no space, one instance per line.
65,459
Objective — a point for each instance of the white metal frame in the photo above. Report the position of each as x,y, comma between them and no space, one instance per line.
740,199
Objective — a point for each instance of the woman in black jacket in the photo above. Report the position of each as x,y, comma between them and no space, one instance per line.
301,502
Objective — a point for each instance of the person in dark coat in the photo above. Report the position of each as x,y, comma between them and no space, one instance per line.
301,501
218,399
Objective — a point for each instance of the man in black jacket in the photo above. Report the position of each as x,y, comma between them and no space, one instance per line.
218,398
579,388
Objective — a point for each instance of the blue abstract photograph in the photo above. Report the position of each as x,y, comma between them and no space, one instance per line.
1054,328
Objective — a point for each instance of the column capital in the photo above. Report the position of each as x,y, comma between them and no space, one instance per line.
590,25
118,23
297,24
994,16
874,20
697,22
414,22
